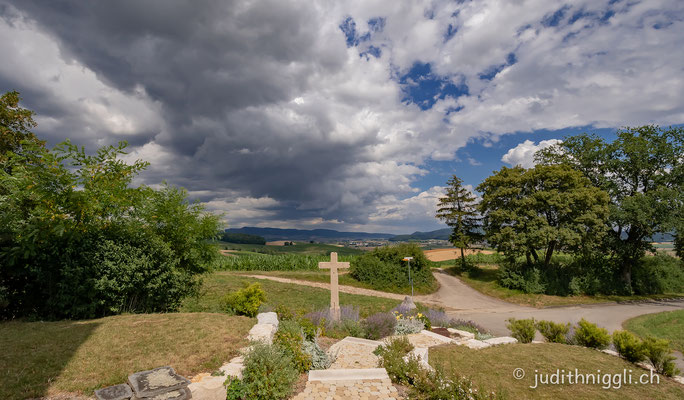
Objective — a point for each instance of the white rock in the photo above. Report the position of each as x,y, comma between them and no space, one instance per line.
501,340
460,333
262,333
679,379
268,318
475,344
611,352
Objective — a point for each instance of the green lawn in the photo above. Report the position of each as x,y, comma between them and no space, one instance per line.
323,276
298,248
665,325
295,297
492,369
49,358
485,281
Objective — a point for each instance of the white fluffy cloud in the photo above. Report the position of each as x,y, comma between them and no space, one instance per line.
523,153
265,100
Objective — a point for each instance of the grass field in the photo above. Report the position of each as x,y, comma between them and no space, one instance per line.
48,358
298,248
492,369
666,325
485,281
295,297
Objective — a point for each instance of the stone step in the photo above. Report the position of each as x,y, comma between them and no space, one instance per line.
348,374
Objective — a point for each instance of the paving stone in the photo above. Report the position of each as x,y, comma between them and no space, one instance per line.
156,381
501,340
354,353
182,394
262,333
268,318
116,392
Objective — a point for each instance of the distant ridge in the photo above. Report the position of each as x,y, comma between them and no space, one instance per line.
439,234
303,234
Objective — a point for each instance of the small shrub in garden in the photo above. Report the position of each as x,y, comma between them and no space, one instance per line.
291,338
319,358
407,326
269,374
553,332
391,357
590,335
284,312
246,301
630,347
522,329
379,325
660,356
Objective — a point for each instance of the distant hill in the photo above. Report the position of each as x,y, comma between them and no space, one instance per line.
271,234
439,234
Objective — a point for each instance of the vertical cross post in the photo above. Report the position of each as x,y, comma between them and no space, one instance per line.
333,265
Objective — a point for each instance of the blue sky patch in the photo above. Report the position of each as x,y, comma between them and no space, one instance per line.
424,88
555,18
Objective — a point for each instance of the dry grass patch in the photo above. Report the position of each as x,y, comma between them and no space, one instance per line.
492,369
49,358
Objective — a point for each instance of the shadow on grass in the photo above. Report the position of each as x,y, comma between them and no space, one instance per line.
34,354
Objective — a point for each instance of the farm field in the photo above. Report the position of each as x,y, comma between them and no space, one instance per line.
297,248
452,253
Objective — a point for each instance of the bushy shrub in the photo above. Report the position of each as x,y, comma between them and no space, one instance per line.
269,374
658,274
522,329
528,281
406,326
245,301
319,358
660,356
391,357
590,335
630,347
291,338
553,332
384,268
379,325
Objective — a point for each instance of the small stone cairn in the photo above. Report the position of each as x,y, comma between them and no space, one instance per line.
161,383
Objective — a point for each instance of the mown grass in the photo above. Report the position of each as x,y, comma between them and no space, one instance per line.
665,325
295,297
297,248
323,276
48,358
484,280
492,369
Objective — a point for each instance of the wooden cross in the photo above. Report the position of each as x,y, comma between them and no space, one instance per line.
333,265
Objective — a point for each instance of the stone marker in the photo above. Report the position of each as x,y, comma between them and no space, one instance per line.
268,318
333,265
157,381
117,392
407,304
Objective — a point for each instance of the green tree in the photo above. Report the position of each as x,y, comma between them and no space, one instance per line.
15,126
643,173
458,209
540,210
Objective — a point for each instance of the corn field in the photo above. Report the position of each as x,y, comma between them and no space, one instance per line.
279,262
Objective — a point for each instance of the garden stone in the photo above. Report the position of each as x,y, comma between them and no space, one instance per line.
116,392
157,381
182,394
407,304
501,340
611,352
462,334
262,333
268,318
475,344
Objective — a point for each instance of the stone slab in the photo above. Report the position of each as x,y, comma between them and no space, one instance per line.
501,340
611,352
365,342
156,381
475,344
116,392
262,333
679,379
347,374
268,318
436,336
182,394
460,333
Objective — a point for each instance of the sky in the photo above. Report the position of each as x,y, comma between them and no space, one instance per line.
347,115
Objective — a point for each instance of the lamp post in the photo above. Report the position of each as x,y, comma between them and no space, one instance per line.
408,261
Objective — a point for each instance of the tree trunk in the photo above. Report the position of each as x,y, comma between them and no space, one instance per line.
549,253
529,259
463,260
534,255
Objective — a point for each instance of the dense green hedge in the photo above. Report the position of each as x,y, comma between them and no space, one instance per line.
384,268
242,238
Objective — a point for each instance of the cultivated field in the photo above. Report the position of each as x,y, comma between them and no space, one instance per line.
451,254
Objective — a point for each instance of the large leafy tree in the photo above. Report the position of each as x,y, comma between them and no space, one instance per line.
643,173
16,123
78,240
458,209
534,212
